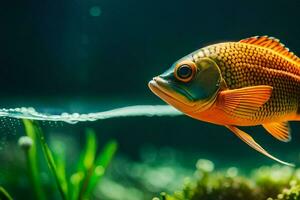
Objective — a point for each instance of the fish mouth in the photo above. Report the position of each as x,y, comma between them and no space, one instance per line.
165,91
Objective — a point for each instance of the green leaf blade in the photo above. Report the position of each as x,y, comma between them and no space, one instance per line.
4,195
32,160
101,164
34,127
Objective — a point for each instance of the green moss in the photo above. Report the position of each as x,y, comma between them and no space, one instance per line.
291,193
265,183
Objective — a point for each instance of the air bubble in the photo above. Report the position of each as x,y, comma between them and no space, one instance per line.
95,11
129,111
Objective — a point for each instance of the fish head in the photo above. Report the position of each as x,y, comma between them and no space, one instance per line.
189,85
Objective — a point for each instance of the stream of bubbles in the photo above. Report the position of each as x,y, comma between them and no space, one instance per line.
128,111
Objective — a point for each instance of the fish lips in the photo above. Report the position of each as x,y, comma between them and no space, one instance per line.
171,93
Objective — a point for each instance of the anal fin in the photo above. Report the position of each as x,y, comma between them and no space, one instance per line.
251,142
280,130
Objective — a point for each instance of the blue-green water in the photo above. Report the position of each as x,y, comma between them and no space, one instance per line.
80,65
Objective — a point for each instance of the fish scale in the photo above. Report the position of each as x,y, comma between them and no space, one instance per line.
255,81
244,65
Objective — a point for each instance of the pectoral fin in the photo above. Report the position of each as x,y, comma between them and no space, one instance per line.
280,130
244,102
251,142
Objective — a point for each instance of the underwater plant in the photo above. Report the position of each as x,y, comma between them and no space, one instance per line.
77,184
4,194
265,183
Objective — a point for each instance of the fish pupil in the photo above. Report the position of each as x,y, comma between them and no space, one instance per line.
184,71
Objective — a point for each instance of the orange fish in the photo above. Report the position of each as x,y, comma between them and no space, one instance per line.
255,81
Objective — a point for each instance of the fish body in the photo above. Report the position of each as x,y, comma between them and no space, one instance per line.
255,81
243,65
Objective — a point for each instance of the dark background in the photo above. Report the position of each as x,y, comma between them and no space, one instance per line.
56,49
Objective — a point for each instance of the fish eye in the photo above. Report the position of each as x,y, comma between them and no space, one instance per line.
185,71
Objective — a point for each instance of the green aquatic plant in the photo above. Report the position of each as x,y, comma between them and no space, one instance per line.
265,183
4,195
29,145
90,167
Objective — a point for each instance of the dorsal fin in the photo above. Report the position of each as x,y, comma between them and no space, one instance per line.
272,43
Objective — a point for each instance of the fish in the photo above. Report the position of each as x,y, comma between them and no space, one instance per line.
251,82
